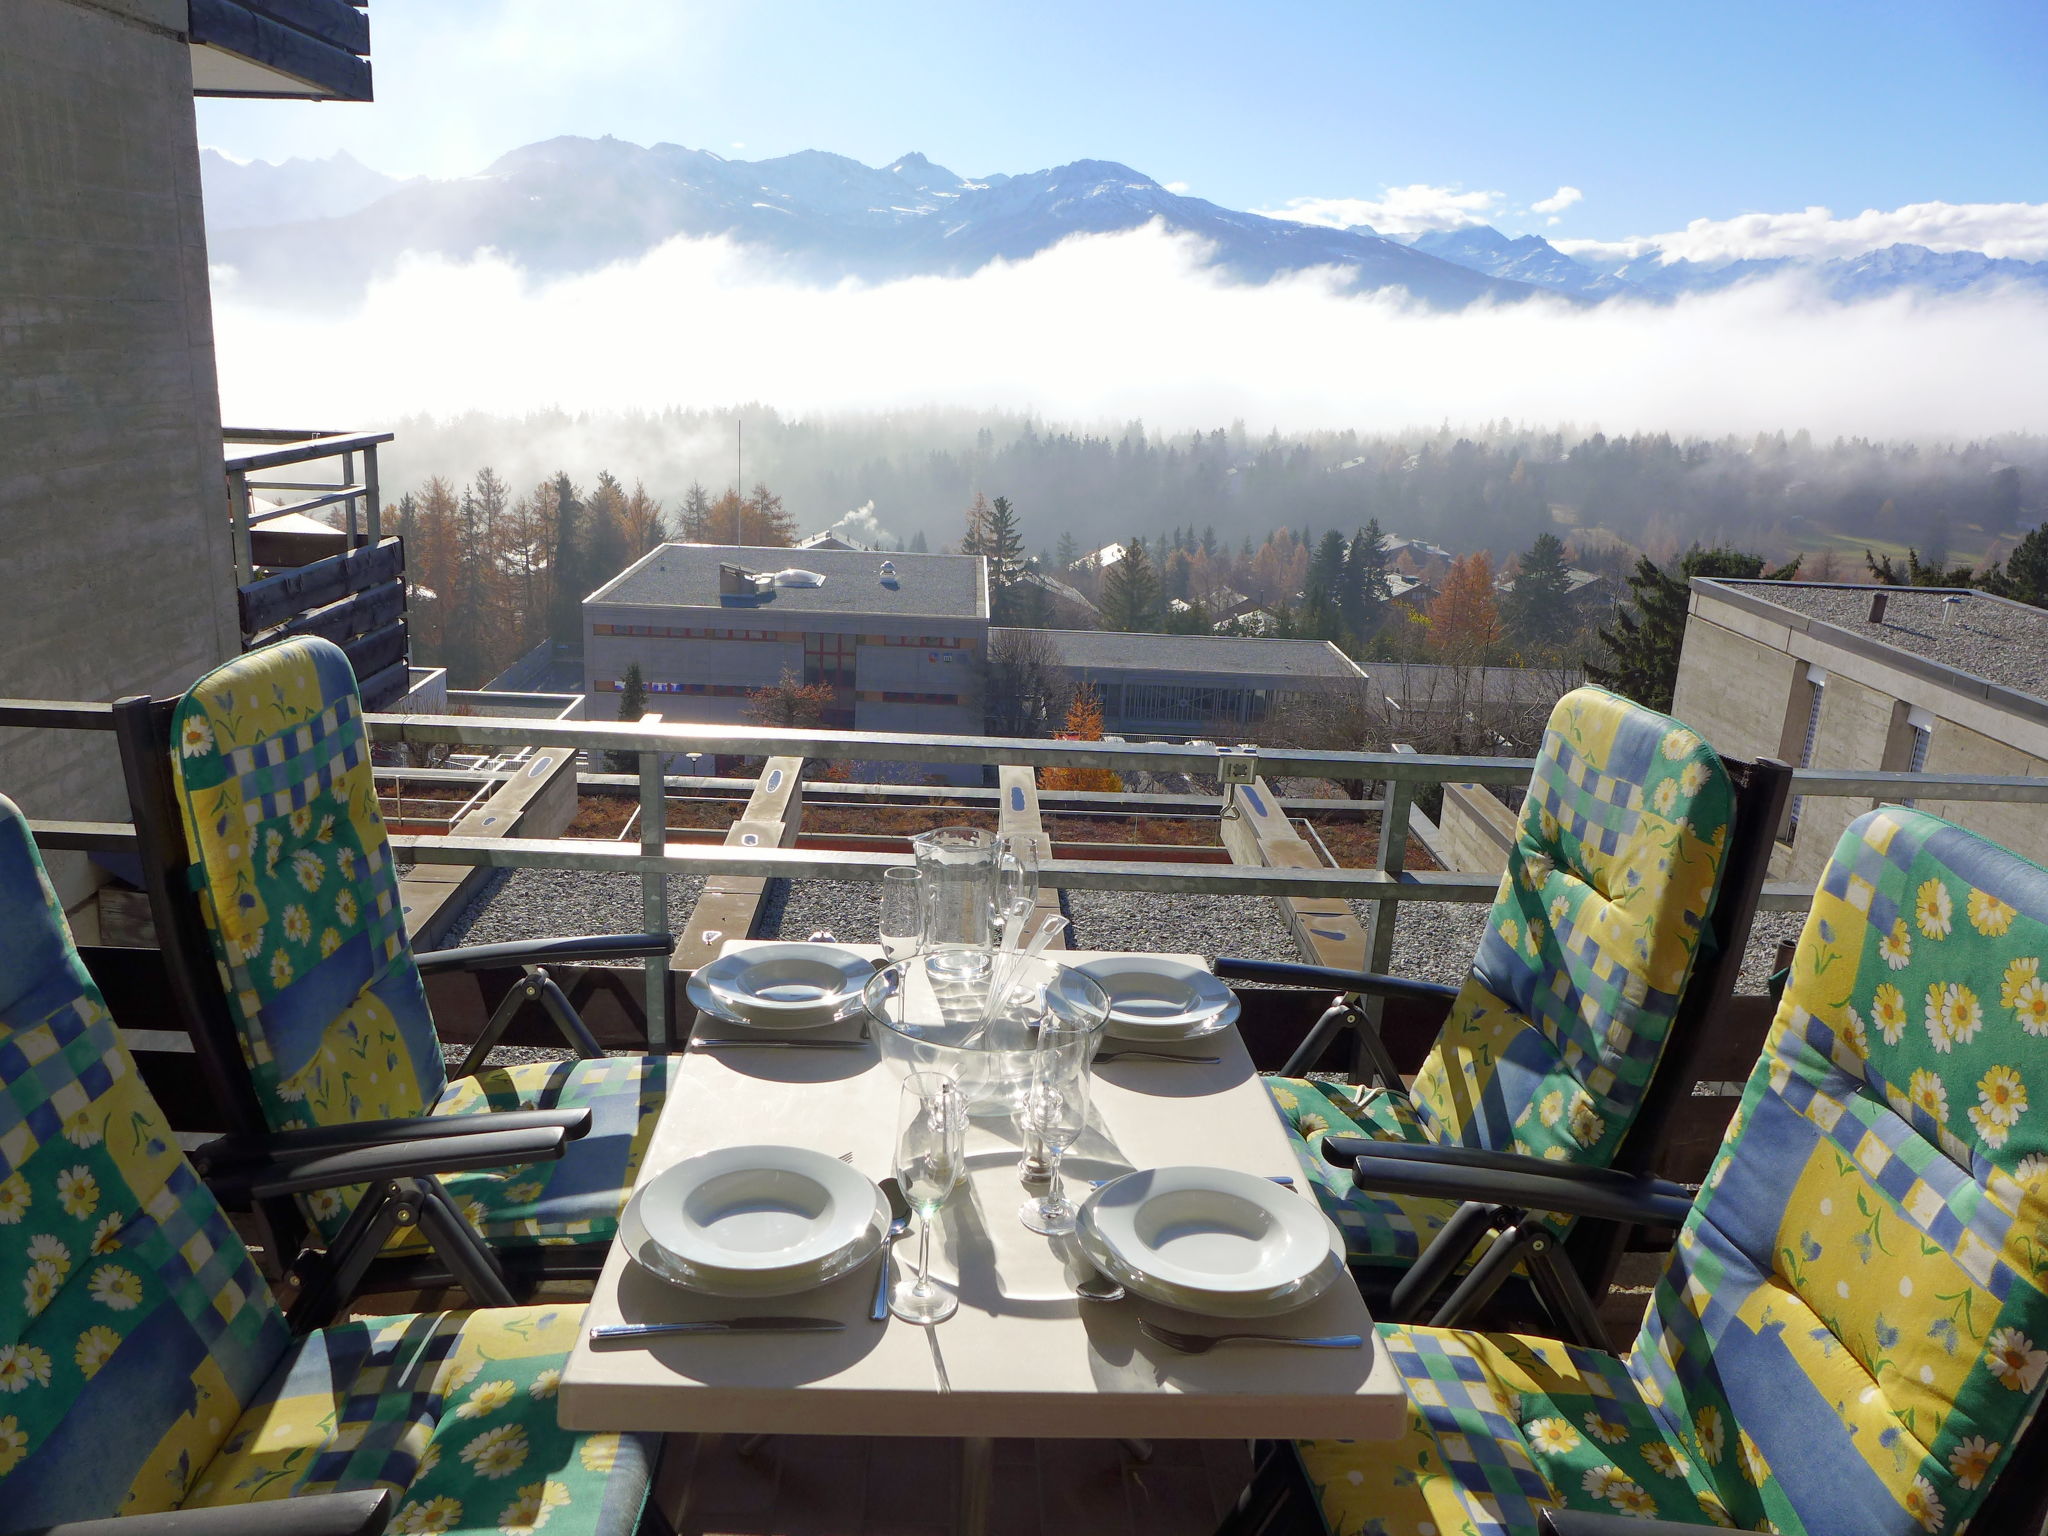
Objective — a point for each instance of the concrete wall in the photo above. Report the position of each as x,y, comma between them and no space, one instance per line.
1741,685
117,577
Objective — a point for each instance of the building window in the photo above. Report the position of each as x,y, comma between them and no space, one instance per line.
1816,693
1920,723
829,659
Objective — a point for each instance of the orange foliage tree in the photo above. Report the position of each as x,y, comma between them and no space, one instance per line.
1464,621
1083,723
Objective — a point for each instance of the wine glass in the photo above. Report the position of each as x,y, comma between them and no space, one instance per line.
931,1157
901,927
1051,1111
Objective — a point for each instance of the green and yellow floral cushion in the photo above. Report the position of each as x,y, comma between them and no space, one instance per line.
302,902
144,1364
1377,1227
1853,1328
1559,1025
454,1410
298,888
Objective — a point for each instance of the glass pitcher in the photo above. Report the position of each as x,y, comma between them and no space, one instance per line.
975,883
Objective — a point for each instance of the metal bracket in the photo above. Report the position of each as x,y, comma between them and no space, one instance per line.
1235,767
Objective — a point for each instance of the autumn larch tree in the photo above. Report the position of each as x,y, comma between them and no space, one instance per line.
1083,723
1464,621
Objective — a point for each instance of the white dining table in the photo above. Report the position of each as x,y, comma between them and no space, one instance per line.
1024,1356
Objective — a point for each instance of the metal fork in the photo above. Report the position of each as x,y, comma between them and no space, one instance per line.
1202,1343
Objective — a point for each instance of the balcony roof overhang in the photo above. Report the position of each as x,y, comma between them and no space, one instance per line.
293,50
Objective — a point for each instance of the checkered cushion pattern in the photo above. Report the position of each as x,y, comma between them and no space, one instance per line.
302,903
145,1366
1852,1331
1559,1025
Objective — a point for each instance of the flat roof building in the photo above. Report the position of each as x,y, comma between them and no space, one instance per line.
1183,685
1856,678
898,638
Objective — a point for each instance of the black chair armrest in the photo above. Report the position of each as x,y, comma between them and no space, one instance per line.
1580,1522
1328,979
398,1160
228,1153
1506,1178
596,946
364,1512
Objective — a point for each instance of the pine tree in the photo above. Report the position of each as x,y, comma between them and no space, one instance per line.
975,539
1002,544
2024,575
1130,592
1066,553
1538,609
1364,593
918,546
632,705
1644,641
565,608
693,517
1321,597
605,547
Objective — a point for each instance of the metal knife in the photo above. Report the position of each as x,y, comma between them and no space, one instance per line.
605,1333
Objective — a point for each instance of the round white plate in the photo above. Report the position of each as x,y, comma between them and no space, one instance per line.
1211,1240
781,986
1151,998
738,1284
756,1212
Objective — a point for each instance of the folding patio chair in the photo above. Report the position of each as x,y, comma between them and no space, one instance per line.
146,1371
299,898
1617,932
1851,1334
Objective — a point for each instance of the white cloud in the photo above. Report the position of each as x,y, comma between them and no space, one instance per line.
2016,230
1410,210
1558,201
1105,328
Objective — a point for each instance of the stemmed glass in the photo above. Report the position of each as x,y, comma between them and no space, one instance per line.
931,1157
901,927
1051,1111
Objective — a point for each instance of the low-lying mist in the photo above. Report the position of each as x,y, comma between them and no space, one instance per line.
1108,328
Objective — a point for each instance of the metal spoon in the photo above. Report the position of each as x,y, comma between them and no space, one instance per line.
899,1226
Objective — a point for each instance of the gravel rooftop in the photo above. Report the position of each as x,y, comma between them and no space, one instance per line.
1988,637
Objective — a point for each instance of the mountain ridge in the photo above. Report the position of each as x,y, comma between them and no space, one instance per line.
318,230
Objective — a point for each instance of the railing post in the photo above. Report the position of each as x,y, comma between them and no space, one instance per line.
238,528
1399,795
654,886
348,477
372,496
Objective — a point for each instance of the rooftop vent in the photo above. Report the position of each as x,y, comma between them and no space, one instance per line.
1877,606
794,578
1951,607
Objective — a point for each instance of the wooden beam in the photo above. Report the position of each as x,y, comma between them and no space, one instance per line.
277,598
730,905
1017,817
1258,834
358,615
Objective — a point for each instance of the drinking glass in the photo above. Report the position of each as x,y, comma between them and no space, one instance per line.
1051,1111
901,928
931,1157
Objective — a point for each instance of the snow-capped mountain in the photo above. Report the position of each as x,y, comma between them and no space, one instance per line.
574,204
1533,260
318,229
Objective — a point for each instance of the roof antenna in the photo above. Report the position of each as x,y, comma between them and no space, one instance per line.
739,477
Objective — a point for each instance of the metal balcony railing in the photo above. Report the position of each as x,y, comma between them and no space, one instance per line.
653,857
281,448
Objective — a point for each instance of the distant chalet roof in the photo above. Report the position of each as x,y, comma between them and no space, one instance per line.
1989,638
1085,650
686,576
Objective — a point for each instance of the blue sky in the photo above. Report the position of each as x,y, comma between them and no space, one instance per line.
1657,114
